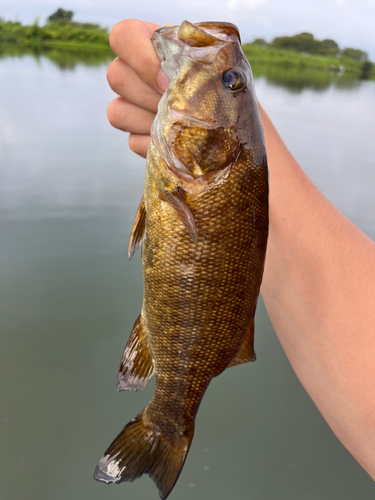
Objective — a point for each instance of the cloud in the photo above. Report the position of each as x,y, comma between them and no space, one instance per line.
245,4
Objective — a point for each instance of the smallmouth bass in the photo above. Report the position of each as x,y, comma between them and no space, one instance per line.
203,221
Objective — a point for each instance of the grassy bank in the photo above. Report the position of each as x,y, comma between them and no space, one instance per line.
289,59
60,33
87,36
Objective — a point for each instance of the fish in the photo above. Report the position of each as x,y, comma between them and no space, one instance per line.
203,226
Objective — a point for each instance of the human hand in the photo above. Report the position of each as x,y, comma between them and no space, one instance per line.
136,76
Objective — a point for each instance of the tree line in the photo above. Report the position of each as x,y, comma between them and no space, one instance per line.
60,27
306,43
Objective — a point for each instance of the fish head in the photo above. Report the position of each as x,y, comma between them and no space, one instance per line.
204,116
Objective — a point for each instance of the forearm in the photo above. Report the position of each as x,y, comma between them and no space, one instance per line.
319,290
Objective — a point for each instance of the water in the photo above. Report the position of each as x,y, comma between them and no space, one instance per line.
69,189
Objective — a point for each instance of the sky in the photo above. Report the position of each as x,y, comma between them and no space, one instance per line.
350,22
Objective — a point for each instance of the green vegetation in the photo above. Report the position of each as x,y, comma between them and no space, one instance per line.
299,52
303,51
307,44
61,15
366,69
61,30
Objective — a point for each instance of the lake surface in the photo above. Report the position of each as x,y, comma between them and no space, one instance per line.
69,189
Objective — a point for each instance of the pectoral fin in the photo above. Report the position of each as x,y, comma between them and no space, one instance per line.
246,351
138,229
137,366
176,201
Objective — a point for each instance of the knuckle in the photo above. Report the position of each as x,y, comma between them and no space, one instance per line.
118,77
111,72
112,114
133,24
133,143
138,144
121,29
114,74
115,35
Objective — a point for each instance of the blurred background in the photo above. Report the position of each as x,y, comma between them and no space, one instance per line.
69,189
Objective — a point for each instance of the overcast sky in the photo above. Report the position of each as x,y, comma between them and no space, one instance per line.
350,22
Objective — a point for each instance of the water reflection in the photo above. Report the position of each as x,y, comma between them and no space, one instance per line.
65,59
296,80
69,189
293,79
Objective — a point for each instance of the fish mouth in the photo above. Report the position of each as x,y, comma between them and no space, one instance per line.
204,38
194,36
157,39
201,34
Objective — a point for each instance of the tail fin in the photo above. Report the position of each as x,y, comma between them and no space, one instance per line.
139,450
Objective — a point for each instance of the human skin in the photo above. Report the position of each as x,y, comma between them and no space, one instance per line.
319,278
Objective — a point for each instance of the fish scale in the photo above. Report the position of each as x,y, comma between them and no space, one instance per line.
168,321
203,224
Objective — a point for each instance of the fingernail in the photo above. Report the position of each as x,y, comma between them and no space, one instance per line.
162,81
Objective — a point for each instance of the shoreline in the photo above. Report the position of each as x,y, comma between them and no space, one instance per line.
288,59
257,56
59,43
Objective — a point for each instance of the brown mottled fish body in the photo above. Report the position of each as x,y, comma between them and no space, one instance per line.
204,220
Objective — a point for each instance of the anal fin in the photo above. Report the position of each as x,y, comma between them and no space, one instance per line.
245,352
176,201
138,229
137,366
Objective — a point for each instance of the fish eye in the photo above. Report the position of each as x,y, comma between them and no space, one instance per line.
233,79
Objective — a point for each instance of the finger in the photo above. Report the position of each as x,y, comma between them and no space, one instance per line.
128,117
125,82
131,41
139,144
